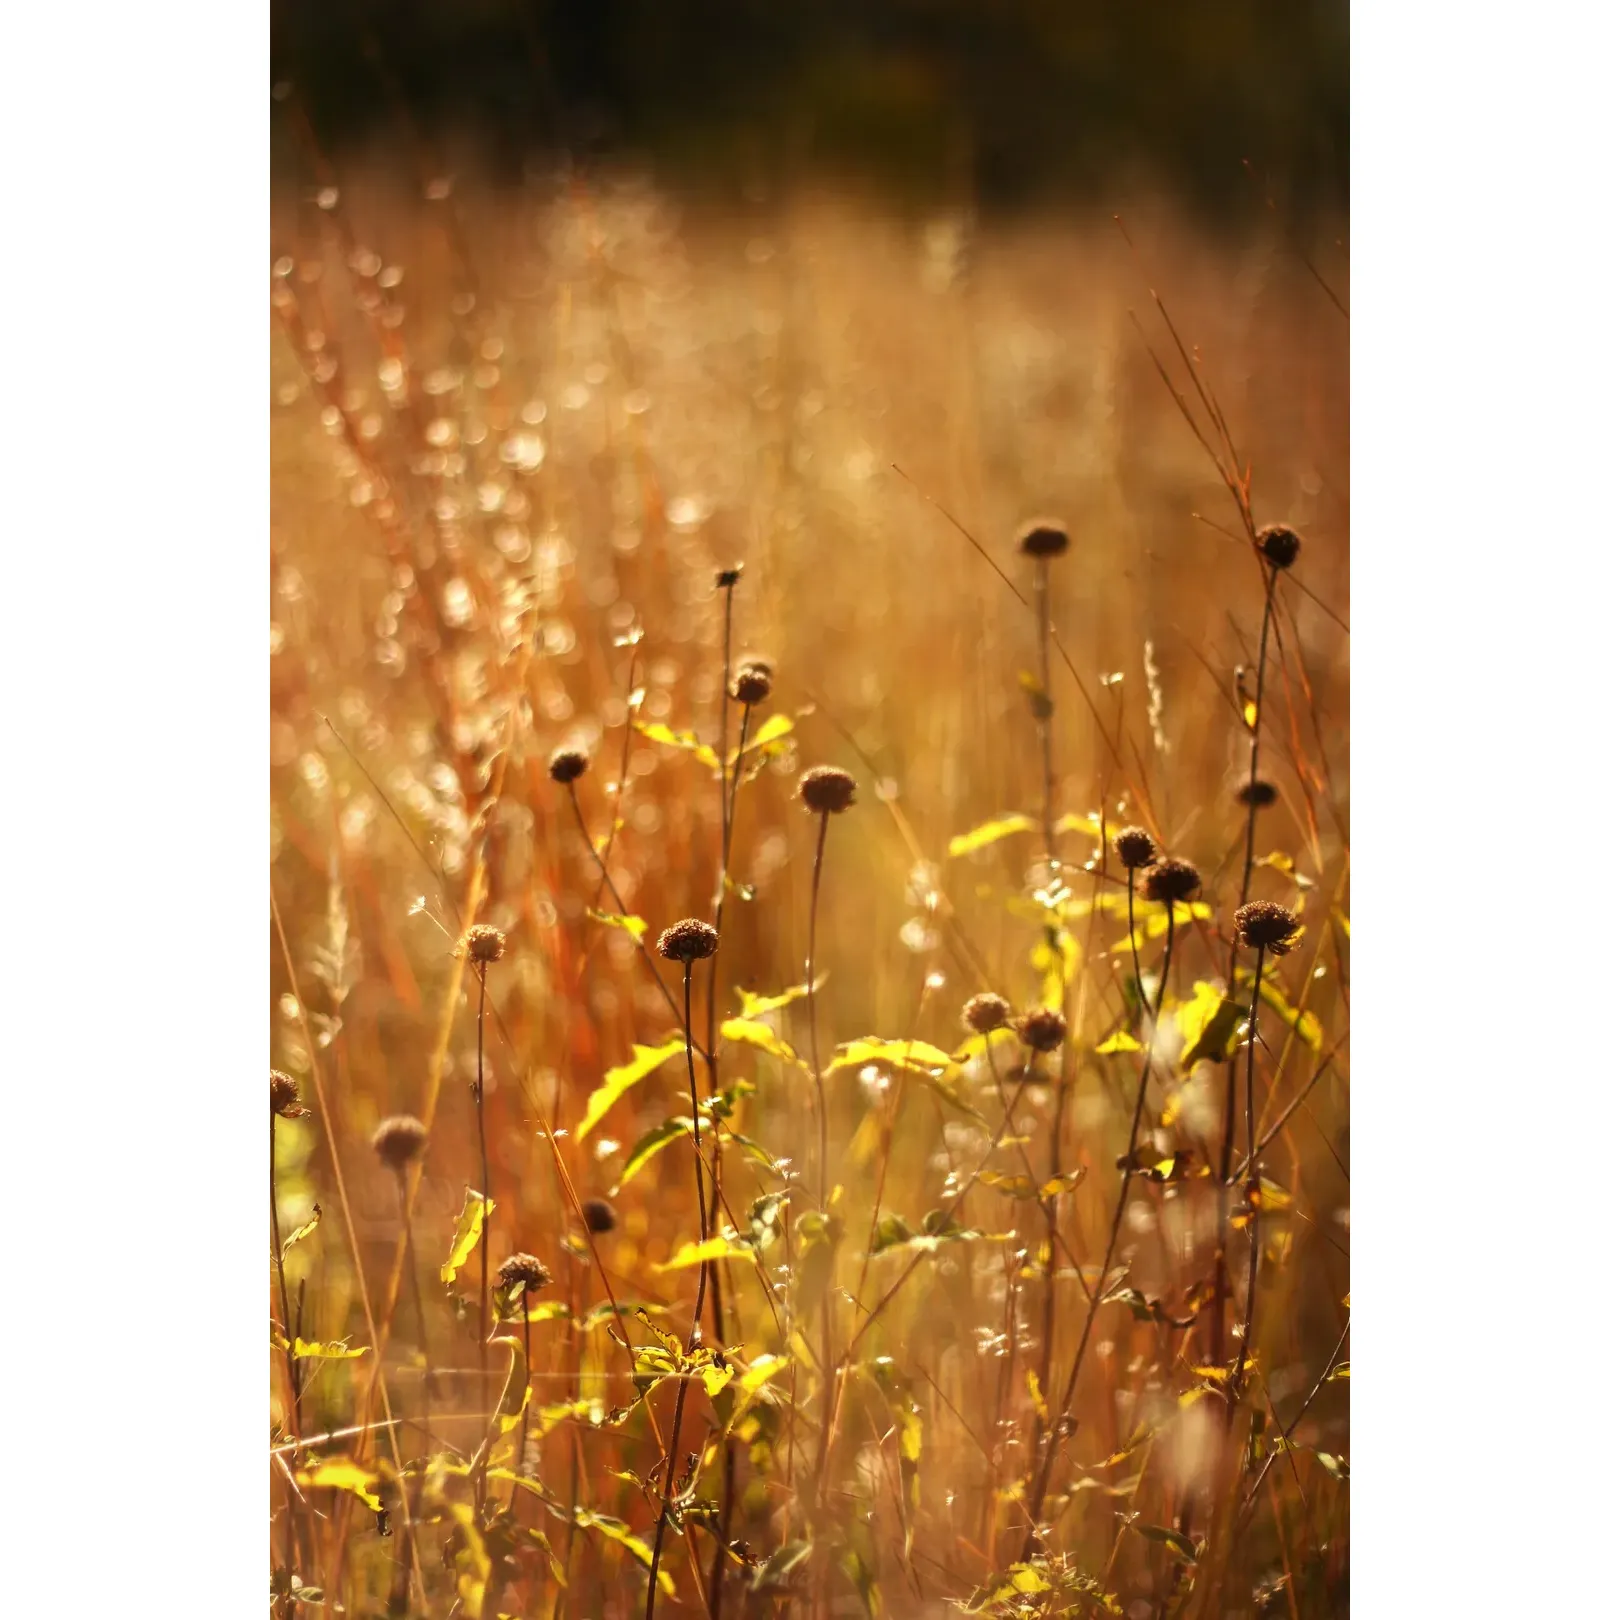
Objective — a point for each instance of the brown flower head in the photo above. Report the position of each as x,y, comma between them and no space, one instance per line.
522,1270
1263,925
484,943
725,578
984,1013
399,1140
1259,793
1279,545
752,682
1135,847
1042,1029
688,941
600,1215
1170,879
827,790
284,1096
569,764
1043,538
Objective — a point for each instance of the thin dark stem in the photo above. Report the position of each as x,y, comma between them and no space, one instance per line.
1235,1384
1049,1451
1043,712
290,1543
1293,1422
483,1193
810,989
523,1419
415,1284
697,1310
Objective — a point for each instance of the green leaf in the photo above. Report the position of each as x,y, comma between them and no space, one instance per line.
1208,1022
648,1147
715,1248
656,732
989,832
303,1231
1178,1544
643,1060
636,927
468,1230
778,1569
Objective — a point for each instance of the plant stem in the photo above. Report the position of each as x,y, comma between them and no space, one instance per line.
1049,1451
1235,1385
290,1542
821,1159
697,1310
1043,709
483,1241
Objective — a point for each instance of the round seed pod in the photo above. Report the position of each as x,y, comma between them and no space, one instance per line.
524,1270
568,765
484,943
1263,925
752,682
1135,847
600,1215
399,1139
284,1096
1042,1029
986,1012
827,790
1279,545
1170,879
688,941
1258,793
1043,538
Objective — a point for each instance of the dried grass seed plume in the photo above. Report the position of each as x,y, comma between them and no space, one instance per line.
1263,925
826,790
1278,544
688,941
1171,879
600,1215
523,1270
399,1140
987,1012
568,765
484,943
1135,847
284,1096
1042,1029
1043,538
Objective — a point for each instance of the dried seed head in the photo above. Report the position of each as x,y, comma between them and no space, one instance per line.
600,1216
984,1013
1279,545
688,941
1043,538
827,790
569,764
522,1269
1170,879
1263,925
752,682
1259,793
727,577
1135,847
484,943
1042,1029
399,1139
284,1096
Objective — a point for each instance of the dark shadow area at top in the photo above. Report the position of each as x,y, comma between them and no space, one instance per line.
1227,104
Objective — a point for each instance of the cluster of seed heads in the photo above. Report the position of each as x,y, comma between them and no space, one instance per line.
826,790
399,1139
688,941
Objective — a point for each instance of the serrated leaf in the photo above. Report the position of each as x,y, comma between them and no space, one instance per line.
715,1248
648,1147
635,927
987,833
1209,1023
303,1231
617,1081
1119,1041
469,1228
1178,1544
655,731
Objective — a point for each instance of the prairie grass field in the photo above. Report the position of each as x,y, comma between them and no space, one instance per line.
1059,1322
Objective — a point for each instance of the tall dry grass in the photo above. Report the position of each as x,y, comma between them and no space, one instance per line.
515,435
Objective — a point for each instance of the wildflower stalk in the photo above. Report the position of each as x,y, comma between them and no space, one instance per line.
290,1541
1235,1384
1049,1451
484,1238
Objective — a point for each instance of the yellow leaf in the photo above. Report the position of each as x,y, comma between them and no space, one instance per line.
715,1378
1304,1024
760,1372
468,1230
1152,923
653,731
754,1006
1004,1038
648,1146
715,1248
1342,920
548,1312
747,1032
1056,967
1119,1042
340,1474
1208,1022
917,1056
1033,1379
1249,714
635,927
643,1060
472,1583
988,832
314,1348
773,731
303,1231
617,1530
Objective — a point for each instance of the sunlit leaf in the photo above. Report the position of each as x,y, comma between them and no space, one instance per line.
917,1056
892,1232
1177,1543
772,731
606,1311
303,1231
1057,963
654,731
1033,1380
550,1311
778,1569
473,1565
1336,1466
1024,1187
317,1350
989,832
1004,1040
469,1228
754,1006
715,1248
1342,920
341,1474
1209,1023
746,1031
1305,1024
648,1147
617,1530
1119,1041
636,927
1341,1371
643,1060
